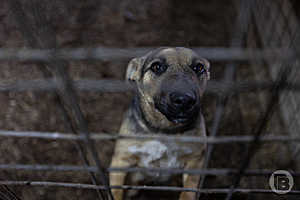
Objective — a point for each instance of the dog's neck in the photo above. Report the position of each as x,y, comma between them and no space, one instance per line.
147,127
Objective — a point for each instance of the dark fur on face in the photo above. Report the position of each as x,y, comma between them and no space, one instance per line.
170,83
179,99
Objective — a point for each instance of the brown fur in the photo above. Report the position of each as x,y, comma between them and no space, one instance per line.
144,118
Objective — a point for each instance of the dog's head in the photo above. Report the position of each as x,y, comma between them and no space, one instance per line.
170,83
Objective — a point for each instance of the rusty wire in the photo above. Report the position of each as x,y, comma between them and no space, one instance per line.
169,138
76,168
222,89
219,88
114,54
131,187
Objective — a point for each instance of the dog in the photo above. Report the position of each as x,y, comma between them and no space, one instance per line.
169,85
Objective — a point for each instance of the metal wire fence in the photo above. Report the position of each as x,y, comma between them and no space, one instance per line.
58,81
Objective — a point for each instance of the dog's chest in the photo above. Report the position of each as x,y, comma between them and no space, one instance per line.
157,154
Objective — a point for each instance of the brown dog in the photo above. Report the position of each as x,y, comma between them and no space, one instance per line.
170,83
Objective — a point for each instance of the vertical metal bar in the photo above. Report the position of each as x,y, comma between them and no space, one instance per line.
41,35
241,28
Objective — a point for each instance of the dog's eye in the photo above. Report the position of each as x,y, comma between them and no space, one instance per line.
199,68
158,68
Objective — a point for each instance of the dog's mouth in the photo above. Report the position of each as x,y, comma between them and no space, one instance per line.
176,115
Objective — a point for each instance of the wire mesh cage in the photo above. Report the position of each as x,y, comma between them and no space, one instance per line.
49,110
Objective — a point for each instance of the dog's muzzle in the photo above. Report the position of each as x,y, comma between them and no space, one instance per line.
179,107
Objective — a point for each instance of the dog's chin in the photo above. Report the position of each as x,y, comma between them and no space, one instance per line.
179,117
182,118
178,120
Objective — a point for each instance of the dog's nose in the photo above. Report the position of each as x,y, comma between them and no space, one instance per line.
182,100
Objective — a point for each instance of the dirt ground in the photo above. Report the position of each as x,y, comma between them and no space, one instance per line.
111,23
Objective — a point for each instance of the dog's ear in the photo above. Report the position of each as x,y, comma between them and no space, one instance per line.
134,68
207,67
